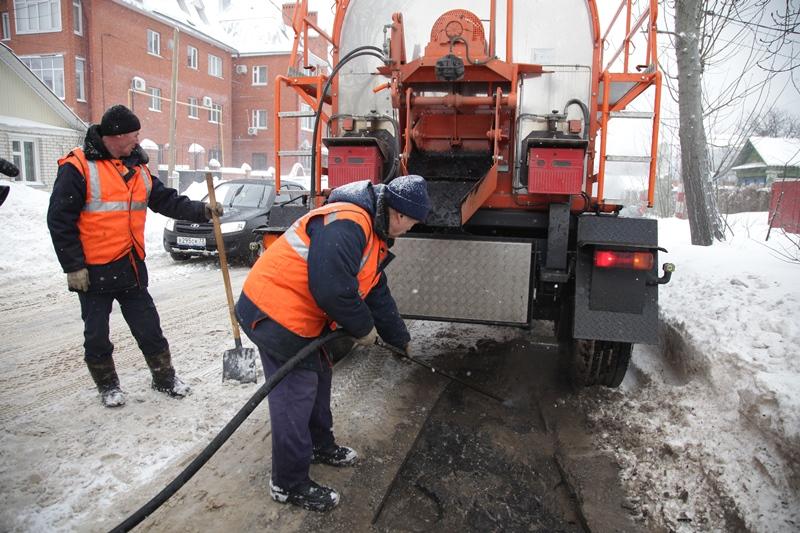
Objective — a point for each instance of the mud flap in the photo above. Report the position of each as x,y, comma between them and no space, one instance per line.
615,304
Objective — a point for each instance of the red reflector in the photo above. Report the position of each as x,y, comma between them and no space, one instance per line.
630,260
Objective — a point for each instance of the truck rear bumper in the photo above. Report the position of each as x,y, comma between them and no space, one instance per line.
463,280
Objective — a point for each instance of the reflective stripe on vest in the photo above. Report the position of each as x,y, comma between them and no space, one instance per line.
96,204
278,283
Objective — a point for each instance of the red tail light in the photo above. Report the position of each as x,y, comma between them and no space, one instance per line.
630,260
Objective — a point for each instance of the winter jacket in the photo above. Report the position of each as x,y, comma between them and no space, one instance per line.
335,254
72,227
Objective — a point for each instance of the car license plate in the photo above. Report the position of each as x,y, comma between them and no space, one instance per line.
192,241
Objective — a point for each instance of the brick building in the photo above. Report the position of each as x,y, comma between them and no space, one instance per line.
96,53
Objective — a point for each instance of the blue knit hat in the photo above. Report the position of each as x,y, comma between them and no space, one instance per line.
409,196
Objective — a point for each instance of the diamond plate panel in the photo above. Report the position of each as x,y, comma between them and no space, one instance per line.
461,280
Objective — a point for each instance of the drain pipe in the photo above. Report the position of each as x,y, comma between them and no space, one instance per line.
198,462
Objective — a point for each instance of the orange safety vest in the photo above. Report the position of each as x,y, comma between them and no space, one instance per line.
112,219
278,282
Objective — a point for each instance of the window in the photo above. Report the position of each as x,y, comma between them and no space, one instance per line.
260,119
259,161
215,153
77,17
215,113
6,27
155,99
306,123
214,65
192,57
193,110
153,43
23,154
49,69
37,16
260,75
80,79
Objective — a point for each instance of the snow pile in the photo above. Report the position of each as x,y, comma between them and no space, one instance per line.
707,426
26,250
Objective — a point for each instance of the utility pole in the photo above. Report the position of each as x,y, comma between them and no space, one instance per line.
173,109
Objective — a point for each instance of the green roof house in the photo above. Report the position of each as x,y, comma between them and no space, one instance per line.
764,160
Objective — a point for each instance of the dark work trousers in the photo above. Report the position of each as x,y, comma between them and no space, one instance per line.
300,414
139,312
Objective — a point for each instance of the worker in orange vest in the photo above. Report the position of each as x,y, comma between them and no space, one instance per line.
96,220
325,271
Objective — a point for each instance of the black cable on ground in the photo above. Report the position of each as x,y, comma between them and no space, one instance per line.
198,462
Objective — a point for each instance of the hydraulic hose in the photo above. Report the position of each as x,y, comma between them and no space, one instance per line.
352,54
198,462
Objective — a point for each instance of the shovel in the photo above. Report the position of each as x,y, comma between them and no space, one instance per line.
238,363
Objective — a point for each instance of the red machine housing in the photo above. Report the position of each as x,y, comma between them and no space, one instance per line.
347,164
554,170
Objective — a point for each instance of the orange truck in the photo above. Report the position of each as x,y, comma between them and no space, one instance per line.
505,108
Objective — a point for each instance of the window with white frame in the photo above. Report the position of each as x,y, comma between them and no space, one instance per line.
214,65
80,79
77,17
192,54
194,111
260,75
215,113
37,16
260,119
306,123
6,27
49,69
153,43
23,155
155,99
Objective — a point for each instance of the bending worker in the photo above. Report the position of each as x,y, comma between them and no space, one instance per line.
96,220
327,268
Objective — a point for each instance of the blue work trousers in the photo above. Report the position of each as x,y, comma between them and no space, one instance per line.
300,414
139,312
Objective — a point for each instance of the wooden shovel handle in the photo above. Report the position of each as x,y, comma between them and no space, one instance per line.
223,259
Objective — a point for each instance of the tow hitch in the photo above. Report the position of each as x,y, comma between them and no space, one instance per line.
669,268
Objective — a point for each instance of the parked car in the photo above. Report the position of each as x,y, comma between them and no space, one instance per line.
247,203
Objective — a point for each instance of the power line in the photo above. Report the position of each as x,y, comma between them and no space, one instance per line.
745,23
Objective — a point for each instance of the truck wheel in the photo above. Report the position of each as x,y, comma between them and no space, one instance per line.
599,362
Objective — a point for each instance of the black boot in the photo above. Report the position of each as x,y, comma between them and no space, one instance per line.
164,378
105,377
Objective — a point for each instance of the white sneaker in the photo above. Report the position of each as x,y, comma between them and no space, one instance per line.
113,397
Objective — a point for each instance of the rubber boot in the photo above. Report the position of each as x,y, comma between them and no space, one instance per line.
105,377
164,378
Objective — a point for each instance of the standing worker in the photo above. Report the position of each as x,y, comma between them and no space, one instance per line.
327,268
96,220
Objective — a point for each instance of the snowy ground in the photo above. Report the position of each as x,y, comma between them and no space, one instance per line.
706,426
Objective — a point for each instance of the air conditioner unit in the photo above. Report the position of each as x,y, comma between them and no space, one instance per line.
138,84
207,102
241,69
252,130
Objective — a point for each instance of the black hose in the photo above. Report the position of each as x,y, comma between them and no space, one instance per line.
198,462
352,54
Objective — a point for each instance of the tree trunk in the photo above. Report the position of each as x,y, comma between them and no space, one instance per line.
704,220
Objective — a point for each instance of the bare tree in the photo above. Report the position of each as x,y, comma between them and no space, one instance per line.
776,124
756,36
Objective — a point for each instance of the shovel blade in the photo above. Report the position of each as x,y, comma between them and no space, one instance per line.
239,364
